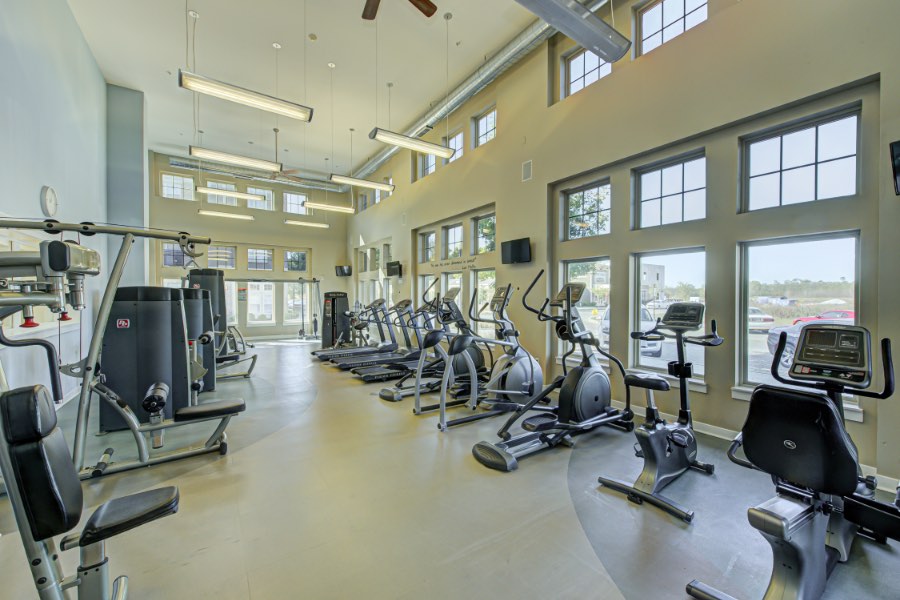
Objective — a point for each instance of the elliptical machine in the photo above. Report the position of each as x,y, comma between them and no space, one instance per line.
584,392
668,449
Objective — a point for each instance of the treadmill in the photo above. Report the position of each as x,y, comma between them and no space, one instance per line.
371,313
401,309
395,369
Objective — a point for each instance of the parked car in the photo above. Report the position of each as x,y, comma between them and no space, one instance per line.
793,334
758,321
830,314
647,322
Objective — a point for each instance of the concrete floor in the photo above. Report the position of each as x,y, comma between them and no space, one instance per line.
329,492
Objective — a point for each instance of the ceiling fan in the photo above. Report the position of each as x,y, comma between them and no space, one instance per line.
427,8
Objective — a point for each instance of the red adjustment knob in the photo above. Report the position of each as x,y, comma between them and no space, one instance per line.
30,322
190,343
65,316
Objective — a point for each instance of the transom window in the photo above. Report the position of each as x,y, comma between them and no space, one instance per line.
361,201
485,234
177,187
667,19
294,260
374,259
426,242
219,199
295,203
584,68
588,211
259,259
455,143
813,163
673,193
427,164
268,201
453,241
221,257
173,255
486,127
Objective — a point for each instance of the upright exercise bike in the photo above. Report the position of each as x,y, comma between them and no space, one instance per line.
668,449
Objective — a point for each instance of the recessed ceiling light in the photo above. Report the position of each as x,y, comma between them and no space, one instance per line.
276,45
193,14
331,65
312,37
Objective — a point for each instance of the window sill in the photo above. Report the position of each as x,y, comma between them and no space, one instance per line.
852,410
262,324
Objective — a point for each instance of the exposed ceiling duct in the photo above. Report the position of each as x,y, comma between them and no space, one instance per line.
529,39
580,24
254,175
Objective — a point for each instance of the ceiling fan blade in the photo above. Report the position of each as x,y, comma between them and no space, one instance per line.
427,7
370,10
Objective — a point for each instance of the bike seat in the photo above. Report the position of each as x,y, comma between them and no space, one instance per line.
647,381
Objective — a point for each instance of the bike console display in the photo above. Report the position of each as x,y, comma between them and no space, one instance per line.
451,294
501,298
577,291
834,353
686,316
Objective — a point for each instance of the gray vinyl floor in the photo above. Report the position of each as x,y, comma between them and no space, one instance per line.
329,492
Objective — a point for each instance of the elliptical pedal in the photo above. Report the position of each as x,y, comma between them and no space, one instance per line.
540,423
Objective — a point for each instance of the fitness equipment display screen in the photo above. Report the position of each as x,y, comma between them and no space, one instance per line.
577,291
687,315
499,299
838,353
451,294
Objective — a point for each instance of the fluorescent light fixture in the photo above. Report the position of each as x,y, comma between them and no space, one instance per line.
384,187
229,193
233,93
574,20
235,159
215,213
404,141
307,224
331,207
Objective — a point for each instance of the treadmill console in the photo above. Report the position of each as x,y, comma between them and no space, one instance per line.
577,291
401,305
451,294
686,316
834,353
375,303
501,298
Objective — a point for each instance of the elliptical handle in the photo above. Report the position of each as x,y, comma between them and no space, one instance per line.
528,291
428,289
776,359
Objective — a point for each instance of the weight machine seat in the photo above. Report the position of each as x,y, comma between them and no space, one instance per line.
799,437
647,381
459,344
125,513
432,338
207,410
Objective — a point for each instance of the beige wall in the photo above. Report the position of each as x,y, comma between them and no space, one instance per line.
749,64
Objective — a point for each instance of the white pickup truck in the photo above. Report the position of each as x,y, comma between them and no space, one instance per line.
647,323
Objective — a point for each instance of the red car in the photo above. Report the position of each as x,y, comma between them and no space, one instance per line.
831,314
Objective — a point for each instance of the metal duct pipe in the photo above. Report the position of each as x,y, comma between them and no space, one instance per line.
191,164
529,39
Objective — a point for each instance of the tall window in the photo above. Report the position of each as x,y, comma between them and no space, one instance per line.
588,211
594,304
584,68
426,246
386,253
664,278
376,194
259,259
789,284
452,280
295,203
231,303
177,187
427,163
485,234
425,282
294,303
453,241
361,202
801,165
486,127
260,303
268,201
219,199
485,281
295,260
673,193
667,19
455,143
374,258
221,257
173,255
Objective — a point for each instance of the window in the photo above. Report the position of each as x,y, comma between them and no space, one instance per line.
376,196
231,302
425,282
485,234
294,303
486,127
172,283
584,68
427,163
485,281
173,255
426,244
361,201
386,253
363,261
667,19
588,211
453,241
177,187
259,259
673,193
221,257
455,143
594,303
375,258
295,203
218,199
813,163
663,278
788,284
268,201
295,260
260,303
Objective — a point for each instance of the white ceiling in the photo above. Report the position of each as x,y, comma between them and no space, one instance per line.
140,44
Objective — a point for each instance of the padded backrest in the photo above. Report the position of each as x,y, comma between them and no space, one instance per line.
800,437
42,466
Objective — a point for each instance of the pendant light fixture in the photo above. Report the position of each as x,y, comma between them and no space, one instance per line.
232,93
228,193
226,215
235,159
307,224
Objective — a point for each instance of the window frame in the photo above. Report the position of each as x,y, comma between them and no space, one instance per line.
274,321
681,159
271,259
639,25
286,261
210,258
476,237
427,164
477,141
228,200
566,214
301,208
173,249
445,237
459,151
780,131
564,278
162,186
423,246
267,193
284,303
566,69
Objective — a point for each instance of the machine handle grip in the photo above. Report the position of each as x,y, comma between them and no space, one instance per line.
206,337
776,359
732,453
887,364
528,291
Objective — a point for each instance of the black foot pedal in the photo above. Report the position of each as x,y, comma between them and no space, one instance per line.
638,452
539,423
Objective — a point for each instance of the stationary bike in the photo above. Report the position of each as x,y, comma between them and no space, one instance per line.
668,449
